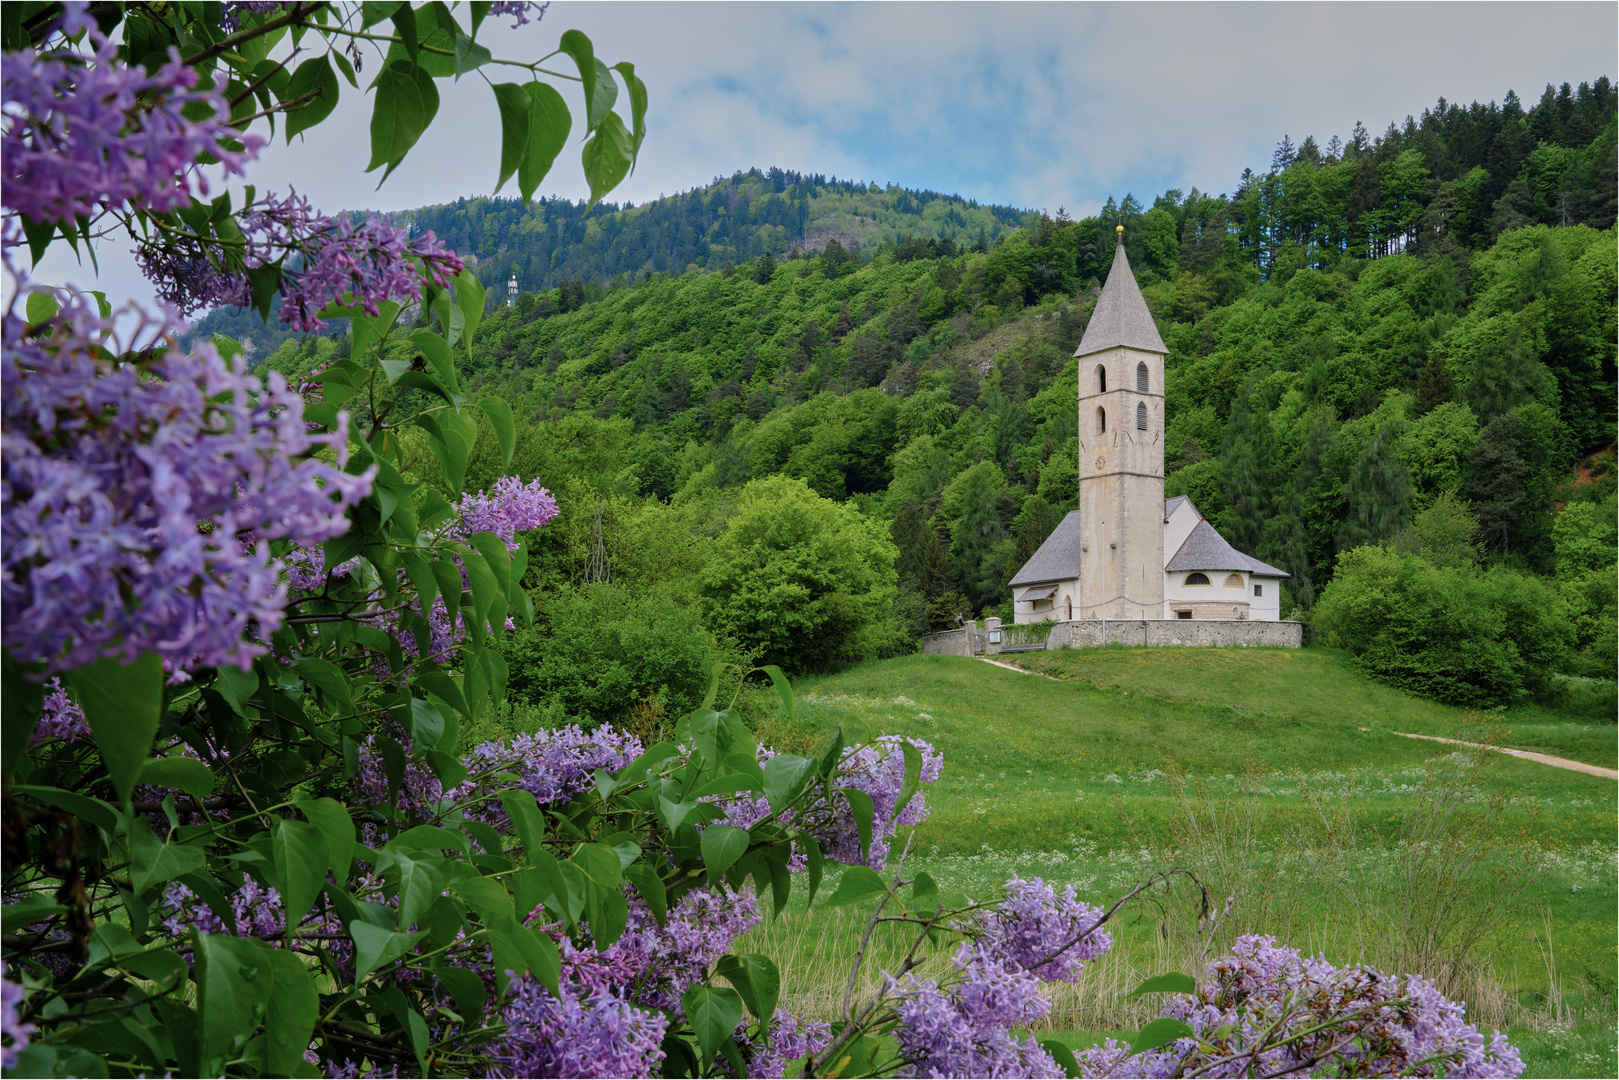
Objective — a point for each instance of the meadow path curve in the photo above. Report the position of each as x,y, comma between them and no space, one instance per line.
1527,755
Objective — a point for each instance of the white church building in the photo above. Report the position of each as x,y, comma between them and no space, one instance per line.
1127,552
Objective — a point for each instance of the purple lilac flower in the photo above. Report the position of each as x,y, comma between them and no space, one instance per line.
231,20
519,10
1033,923
1357,1020
61,717
554,765
789,1040
13,1032
128,488
508,508
965,1029
325,260
878,770
368,261
83,133
586,1033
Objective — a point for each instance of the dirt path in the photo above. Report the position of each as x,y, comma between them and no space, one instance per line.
1527,755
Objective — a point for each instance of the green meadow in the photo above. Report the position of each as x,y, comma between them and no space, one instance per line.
1277,777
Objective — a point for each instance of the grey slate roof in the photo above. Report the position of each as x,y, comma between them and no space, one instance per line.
1057,559
1206,549
1121,316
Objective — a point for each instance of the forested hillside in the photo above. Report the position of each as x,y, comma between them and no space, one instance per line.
1405,340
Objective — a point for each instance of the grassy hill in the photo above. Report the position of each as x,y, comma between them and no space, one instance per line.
1276,774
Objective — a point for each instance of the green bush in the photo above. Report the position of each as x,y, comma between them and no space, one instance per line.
597,651
801,581
1464,636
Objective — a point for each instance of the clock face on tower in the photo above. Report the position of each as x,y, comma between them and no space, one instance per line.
1101,462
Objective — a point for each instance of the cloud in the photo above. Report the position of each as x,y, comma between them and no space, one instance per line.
1030,104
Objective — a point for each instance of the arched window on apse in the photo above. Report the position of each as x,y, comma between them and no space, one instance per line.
1197,579
1101,420
1141,378
1101,379
1141,416
1233,581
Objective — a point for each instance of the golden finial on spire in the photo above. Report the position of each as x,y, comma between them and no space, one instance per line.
1119,229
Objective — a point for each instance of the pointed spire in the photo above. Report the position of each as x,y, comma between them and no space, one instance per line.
1121,316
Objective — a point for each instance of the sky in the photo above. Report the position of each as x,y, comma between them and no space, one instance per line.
1033,104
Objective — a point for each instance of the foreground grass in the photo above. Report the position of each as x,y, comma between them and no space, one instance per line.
1076,781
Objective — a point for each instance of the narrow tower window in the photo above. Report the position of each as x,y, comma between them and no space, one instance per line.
1141,416
1101,421
1101,379
1141,378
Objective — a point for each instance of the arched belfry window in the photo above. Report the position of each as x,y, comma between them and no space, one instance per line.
1141,416
1101,421
1101,379
1197,579
1141,378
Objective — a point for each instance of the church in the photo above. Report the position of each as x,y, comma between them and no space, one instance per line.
1127,552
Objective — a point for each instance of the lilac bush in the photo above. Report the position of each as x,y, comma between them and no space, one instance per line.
1267,1010
13,1032
139,499
87,134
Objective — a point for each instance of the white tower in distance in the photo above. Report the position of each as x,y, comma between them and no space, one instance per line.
1121,454
511,290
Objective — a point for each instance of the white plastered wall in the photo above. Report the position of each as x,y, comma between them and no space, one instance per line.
1266,607
1065,601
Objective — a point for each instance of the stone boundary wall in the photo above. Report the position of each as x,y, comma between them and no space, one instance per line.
1084,633
1192,633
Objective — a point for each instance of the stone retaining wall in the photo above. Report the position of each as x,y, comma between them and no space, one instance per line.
1083,633
1177,632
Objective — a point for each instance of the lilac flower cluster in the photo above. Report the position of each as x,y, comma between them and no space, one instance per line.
506,509
1267,1010
86,133
326,259
231,20
61,717
1049,934
13,1032
129,490
519,10
964,1029
619,993
257,909
587,1033
789,1040
878,769
553,765
368,263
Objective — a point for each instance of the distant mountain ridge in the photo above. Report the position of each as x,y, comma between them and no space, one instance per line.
733,219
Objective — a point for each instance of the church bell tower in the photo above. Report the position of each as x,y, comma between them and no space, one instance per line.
1121,454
